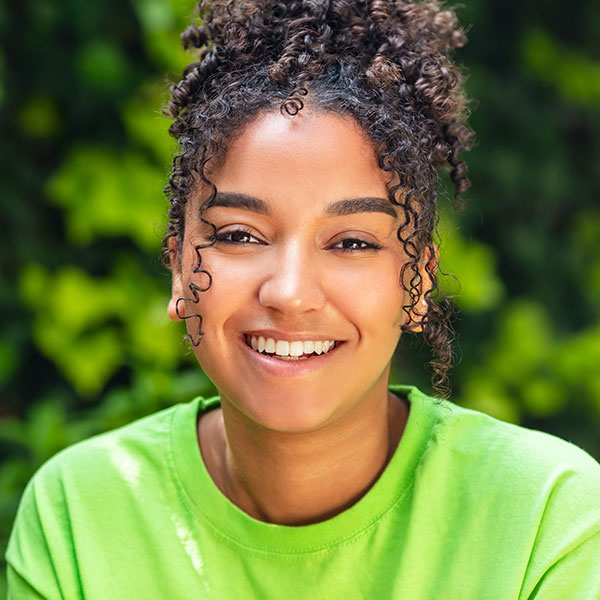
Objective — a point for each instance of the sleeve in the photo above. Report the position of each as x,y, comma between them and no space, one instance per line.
576,575
19,588
40,555
565,559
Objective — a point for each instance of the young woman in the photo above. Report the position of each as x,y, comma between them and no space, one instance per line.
301,245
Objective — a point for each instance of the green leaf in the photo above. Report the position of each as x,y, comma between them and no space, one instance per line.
87,361
39,117
474,264
543,396
488,395
162,21
147,125
103,67
524,343
107,194
573,74
91,327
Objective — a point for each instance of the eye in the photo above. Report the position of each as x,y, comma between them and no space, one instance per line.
236,237
355,245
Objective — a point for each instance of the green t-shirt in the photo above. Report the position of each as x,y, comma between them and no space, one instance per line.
469,508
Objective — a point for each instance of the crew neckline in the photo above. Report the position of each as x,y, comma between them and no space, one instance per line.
208,503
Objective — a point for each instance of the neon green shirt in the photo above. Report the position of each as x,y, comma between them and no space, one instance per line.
468,508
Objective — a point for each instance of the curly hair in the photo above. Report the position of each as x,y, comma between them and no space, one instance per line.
386,63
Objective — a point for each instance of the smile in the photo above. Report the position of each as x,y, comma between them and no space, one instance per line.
285,350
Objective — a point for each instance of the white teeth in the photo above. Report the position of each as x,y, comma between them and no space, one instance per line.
290,350
282,348
270,346
296,349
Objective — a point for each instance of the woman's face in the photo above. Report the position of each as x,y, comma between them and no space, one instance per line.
306,255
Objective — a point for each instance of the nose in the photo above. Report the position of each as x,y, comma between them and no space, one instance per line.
293,284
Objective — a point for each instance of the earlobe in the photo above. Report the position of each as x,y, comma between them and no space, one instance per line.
418,315
175,309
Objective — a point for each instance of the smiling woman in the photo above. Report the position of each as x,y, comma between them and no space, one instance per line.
301,247
288,256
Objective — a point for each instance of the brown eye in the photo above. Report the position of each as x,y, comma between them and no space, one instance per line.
355,244
236,237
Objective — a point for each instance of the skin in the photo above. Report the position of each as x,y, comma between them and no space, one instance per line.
294,444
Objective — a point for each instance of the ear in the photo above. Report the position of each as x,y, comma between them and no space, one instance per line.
427,267
176,281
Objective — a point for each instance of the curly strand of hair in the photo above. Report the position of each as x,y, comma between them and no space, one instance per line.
438,330
382,73
293,104
438,334
195,36
195,299
379,11
416,226
460,139
195,289
179,182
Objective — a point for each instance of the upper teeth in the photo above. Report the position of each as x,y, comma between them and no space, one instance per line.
285,348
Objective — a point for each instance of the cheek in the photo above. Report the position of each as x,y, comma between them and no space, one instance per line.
232,286
371,293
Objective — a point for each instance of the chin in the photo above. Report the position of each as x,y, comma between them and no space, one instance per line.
287,412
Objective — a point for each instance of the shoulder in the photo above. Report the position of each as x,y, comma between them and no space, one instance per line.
103,474
469,446
511,446
121,455
72,499
535,492
535,471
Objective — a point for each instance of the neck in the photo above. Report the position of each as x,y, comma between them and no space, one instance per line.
300,478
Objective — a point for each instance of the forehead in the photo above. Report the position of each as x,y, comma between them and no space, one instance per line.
315,157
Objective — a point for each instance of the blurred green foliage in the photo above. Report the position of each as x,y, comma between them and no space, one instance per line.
86,345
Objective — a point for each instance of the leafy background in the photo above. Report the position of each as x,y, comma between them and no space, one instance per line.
86,345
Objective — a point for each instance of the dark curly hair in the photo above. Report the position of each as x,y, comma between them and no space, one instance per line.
386,63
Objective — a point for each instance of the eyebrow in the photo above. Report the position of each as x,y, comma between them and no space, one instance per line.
358,205
235,200
339,208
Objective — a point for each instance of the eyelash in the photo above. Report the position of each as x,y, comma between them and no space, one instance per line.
366,246
226,238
